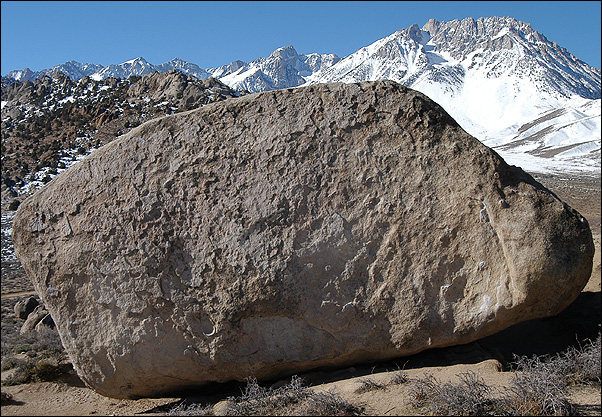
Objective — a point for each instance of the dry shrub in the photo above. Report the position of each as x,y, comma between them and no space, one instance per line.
536,393
37,370
256,400
184,409
539,387
367,385
50,369
399,378
327,403
10,362
580,366
35,356
34,341
45,365
420,390
291,399
470,396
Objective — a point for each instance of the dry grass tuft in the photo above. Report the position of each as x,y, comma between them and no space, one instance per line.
367,385
399,378
539,387
470,397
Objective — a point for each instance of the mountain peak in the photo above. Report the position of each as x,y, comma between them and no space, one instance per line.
285,52
413,32
135,61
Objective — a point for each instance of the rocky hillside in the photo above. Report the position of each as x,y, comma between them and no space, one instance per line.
53,121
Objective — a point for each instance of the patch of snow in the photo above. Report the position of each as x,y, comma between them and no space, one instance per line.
501,33
70,99
35,179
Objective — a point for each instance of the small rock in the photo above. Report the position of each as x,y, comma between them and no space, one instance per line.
13,205
222,408
491,365
45,323
6,398
33,319
24,307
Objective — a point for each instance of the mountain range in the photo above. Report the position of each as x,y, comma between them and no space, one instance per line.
505,83
284,68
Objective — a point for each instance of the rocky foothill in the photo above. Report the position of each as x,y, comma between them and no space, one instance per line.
48,122
288,230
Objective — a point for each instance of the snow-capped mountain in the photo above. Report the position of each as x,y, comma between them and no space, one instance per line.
500,79
138,67
73,69
185,67
284,68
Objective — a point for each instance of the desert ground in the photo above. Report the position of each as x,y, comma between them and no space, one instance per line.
490,358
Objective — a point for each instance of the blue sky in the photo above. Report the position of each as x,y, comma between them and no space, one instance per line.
39,35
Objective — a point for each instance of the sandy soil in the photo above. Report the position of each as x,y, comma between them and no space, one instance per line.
70,397
489,357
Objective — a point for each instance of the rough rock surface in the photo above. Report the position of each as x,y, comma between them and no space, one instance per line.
292,229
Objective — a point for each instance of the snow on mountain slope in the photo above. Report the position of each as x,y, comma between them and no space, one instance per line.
73,69
137,67
284,68
494,76
185,67
564,139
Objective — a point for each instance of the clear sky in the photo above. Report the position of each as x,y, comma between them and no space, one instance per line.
39,35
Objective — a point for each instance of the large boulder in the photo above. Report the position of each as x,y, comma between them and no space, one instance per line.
292,229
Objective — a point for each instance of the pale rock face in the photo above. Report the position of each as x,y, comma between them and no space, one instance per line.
282,231
33,319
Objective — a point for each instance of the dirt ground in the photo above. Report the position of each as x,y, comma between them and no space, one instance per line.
488,357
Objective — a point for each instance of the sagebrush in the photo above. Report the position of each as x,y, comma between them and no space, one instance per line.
292,399
539,387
